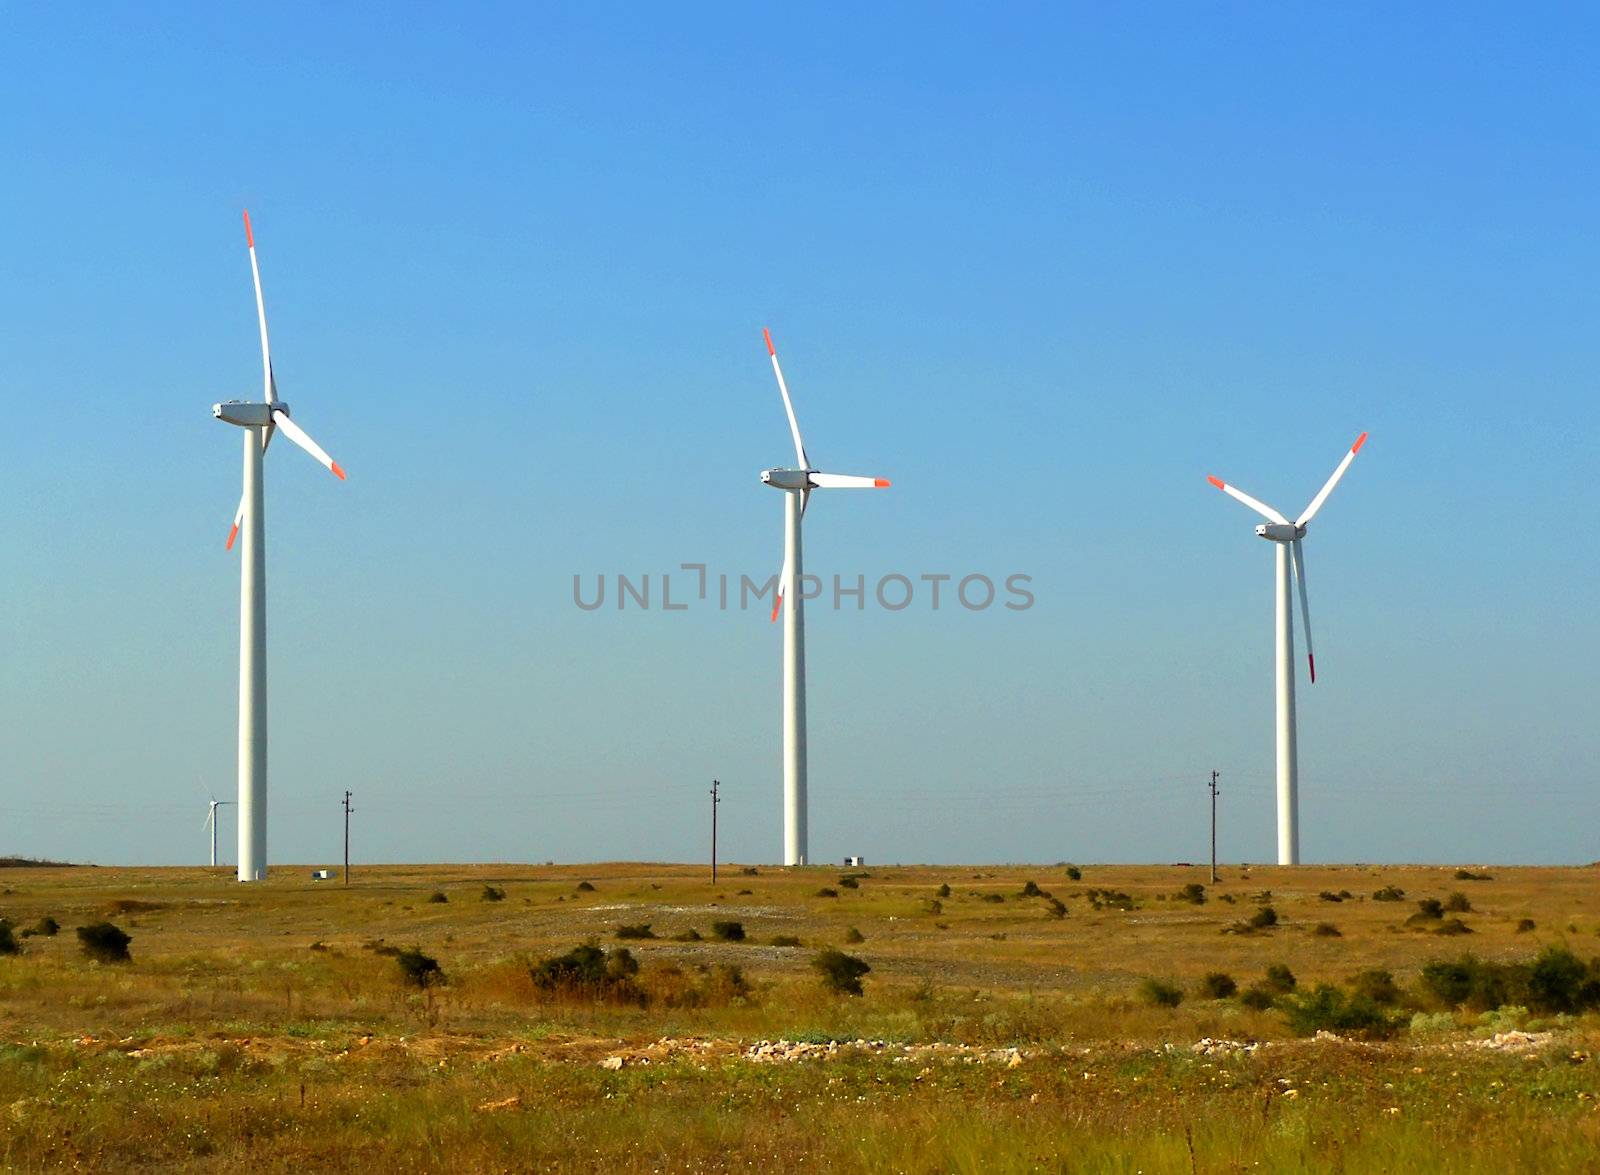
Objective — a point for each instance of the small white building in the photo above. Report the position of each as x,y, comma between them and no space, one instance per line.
854,862
321,874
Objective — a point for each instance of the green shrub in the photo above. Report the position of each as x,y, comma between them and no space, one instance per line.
635,930
1526,925
785,940
1377,985
1326,930
1457,903
437,896
1452,926
1390,893
1328,895
1472,983
1327,1009
690,935
994,898
1560,982
1264,918
8,941
1258,996
589,971
1074,873
1116,899
104,943
492,894
932,906
46,926
419,970
943,891
1056,908
585,887
1218,985
1031,889
826,892
728,931
1469,875
1193,893
854,936
848,882
841,973
1429,908
750,871
1279,978
1160,993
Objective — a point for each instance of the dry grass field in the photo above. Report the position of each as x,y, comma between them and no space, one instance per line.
272,1027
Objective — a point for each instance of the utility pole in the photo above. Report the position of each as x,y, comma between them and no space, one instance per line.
347,810
715,800
1213,828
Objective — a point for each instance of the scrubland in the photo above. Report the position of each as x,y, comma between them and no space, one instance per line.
1012,1019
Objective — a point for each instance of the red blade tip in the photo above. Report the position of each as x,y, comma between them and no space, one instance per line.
232,534
1216,481
337,472
767,334
880,483
249,236
776,604
1360,440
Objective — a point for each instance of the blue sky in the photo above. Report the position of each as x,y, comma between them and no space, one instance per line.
1046,270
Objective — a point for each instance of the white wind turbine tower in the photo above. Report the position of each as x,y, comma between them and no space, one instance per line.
211,823
259,421
797,485
1287,535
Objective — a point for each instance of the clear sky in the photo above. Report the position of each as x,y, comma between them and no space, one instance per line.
1045,269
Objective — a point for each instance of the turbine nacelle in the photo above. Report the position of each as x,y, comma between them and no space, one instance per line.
248,415
1280,532
788,479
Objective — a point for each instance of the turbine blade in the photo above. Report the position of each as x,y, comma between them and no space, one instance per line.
847,481
1305,605
1322,494
299,436
783,583
269,386
210,812
1239,495
788,405
238,515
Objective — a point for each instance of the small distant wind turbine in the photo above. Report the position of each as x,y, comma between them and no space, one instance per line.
211,824
259,421
797,485
1287,535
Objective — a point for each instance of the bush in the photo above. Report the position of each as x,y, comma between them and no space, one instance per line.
1115,898
1429,908
785,940
492,894
1526,925
932,906
1218,985
943,891
1469,875
1390,893
1326,930
1452,926
841,973
1193,893
728,931
826,892
8,941
585,887
1056,908
1457,903
1472,983
1280,979
1160,993
46,926
420,970
994,897
1328,895
1263,918
1377,985
1327,1009
854,936
690,935
1074,873
1560,982
848,882
437,896
104,943
749,871
1031,890
1259,997
635,930
588,970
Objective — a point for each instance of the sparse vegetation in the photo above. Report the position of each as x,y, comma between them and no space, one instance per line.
590,972
1030,889
1218,985
849,882
1327,1009
1074,873
725,931
786,940
492,894
1280,979
438,897
854,935
1457,903
8,941
1326,930
827,892
418,969
635,930
1160,993
1469,875
1194,893
1389,893
585,887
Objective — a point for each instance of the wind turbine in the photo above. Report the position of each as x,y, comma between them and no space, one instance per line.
1288,535
259,421
211,823
797,485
